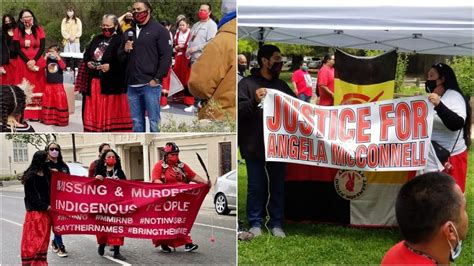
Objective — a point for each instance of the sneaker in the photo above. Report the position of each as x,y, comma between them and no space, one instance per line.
54,247
256,231
165,107
101,249
62,251
165,249
190,109
278,232
119,256
190,247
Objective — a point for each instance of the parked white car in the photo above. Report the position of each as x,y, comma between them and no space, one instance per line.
225,193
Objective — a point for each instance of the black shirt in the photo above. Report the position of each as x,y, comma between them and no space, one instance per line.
112,81
250,130
151,54
54,73
37,192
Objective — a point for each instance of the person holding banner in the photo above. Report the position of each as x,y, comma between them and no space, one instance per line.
431,214
265,180
55,163
93,166
325,84
37,226
451,122
110,167
171,170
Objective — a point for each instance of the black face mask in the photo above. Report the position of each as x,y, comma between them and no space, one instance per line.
9,26
241,68
276,69
430,86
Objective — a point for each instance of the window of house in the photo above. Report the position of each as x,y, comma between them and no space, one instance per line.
20,152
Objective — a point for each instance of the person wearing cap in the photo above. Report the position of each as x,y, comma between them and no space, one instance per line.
171,170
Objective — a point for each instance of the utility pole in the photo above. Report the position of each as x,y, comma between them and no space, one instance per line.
74,158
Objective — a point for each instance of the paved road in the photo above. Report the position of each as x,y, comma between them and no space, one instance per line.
83,248
176,113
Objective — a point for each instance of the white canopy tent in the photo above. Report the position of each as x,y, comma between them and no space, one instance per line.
425,27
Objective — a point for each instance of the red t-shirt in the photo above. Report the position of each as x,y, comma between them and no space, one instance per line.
302,80
400,254
172,174
32,50
326,78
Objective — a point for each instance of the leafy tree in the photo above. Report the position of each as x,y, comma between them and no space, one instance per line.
464,70
37,140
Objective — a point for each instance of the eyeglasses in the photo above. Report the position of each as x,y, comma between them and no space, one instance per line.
26,17
54,149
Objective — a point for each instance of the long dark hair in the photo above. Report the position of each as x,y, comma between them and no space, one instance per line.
60,154
21,26
451,83
38,163
101,167
13,100
73,16
12,21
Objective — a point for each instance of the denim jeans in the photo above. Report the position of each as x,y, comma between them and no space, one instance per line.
304,98
257,192
58,239
141,99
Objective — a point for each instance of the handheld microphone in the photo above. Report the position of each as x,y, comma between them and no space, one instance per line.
130,36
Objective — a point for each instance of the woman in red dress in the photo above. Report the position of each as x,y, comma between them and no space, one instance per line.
171,170
29,40
181,66
109,167
7,76
105,103
55,110
37,225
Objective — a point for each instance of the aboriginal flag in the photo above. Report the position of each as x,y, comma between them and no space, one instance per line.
345,196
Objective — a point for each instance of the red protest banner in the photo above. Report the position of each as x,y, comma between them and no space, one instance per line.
123,208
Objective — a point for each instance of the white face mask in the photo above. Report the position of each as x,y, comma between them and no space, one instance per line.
456,251
70,14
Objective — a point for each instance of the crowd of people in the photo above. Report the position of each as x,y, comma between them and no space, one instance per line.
125,76
37,183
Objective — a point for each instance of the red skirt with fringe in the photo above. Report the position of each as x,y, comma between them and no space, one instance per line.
106,113
55,110
35,238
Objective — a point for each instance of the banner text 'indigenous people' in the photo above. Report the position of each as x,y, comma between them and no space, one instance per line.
124,208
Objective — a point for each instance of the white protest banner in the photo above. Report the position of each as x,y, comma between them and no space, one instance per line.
390,135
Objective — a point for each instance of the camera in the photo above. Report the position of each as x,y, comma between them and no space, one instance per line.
51,56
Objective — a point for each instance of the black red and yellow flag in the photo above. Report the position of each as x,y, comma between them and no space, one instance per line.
364,79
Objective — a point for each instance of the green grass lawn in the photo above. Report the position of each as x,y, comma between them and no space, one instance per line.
331,244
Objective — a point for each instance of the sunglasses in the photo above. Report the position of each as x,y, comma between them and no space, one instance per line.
54,149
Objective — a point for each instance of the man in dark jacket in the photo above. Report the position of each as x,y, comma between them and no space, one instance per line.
148,56
261,174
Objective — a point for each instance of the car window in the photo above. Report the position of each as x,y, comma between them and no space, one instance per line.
232,176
